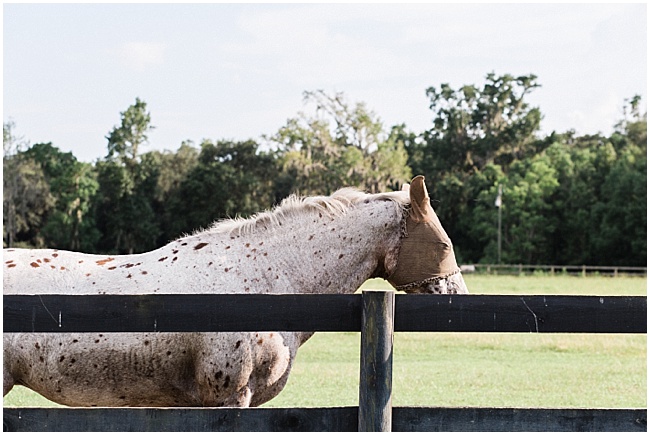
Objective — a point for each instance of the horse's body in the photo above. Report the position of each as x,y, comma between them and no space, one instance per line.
315,245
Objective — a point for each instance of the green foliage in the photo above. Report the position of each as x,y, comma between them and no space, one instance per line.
566,199
124,209
477,133
620,217
26,194
125,139
229,179
473,127
171,170
70,224
341,145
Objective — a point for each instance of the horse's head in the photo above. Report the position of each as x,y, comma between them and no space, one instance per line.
426,261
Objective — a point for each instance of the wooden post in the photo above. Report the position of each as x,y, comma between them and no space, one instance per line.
376,377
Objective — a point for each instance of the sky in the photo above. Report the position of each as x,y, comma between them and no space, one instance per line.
238,71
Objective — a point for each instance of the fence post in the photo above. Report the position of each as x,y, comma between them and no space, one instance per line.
376,372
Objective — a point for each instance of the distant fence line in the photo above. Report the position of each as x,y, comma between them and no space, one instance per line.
522,269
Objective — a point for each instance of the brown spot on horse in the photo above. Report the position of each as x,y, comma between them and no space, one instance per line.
104,261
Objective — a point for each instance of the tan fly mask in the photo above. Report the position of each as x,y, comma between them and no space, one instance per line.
426,261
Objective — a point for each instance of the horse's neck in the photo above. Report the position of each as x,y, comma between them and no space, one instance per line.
316,253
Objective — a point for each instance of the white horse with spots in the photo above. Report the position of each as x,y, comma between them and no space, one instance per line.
310,245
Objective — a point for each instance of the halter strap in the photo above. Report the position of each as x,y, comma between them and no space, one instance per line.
426,281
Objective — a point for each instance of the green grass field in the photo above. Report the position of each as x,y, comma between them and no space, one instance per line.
478,370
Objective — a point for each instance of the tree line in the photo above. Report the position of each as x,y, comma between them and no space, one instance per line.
566,199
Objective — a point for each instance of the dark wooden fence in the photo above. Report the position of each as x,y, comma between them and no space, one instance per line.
375,314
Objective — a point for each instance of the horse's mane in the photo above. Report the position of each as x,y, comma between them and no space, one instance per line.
335,205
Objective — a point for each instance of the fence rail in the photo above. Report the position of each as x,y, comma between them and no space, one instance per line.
375,314
414,313
342,419
583,270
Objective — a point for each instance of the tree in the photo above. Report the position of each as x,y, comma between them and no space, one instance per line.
69,224
473,129
124,211
26,194
231,179
620,217
567,199
173,168
633,126
529,221
341,145
124,141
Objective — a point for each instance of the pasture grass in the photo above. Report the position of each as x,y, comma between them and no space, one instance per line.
477,370
488,370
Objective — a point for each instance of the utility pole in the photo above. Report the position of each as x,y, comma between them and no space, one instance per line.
498,203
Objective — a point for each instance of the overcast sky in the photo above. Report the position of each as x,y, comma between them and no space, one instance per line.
235,71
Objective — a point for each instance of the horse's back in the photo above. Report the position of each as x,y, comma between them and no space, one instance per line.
40,271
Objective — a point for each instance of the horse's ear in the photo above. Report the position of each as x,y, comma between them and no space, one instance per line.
406,187
421,209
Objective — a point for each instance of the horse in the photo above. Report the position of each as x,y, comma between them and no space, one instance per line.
322,244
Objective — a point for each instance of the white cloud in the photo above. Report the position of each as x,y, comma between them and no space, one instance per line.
141,55
240,70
